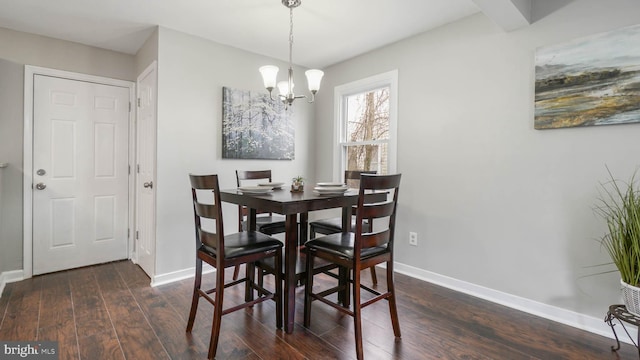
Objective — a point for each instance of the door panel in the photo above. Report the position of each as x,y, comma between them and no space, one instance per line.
80,173
146,150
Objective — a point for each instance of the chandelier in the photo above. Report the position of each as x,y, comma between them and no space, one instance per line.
285,88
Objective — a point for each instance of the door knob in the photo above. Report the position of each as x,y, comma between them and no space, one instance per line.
40,186
148,184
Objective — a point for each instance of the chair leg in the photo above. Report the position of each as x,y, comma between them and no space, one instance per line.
236,272
217,314
393,310
196,294
357,319
308,290
374,277
279,284
250,269
344,297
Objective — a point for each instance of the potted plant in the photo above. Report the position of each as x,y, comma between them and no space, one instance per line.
619,205
297,183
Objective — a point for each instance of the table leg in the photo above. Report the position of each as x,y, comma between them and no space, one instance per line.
290,255
304,228
251,219
250,268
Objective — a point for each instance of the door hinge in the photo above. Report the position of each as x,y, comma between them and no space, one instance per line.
137,235
128,233
129,169
138,102
138,168
129,106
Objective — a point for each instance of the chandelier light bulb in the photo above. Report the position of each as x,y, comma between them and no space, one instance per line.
314,76
269,75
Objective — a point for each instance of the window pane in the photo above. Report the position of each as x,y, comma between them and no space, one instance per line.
368,116
367,158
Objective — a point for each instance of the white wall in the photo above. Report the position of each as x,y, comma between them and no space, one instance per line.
147,54
43,51
191,74
11,124
496,203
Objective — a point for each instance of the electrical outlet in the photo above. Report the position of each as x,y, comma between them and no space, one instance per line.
413,238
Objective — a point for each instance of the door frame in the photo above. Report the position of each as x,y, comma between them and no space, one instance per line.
29,73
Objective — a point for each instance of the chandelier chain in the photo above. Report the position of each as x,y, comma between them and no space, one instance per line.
290,36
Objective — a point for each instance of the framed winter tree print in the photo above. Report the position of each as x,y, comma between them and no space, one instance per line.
255,127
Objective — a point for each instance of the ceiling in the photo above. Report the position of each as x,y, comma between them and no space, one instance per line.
325,31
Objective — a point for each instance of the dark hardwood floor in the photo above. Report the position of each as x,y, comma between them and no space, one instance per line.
109,311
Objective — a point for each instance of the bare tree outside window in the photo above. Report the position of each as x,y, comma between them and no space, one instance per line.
367,131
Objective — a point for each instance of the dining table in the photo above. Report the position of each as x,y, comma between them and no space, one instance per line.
295,206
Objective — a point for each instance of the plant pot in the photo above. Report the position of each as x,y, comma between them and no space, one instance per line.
631,297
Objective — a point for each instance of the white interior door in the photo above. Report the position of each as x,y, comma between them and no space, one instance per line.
80,173
145,177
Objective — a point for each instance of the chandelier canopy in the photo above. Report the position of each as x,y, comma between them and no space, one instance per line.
285,88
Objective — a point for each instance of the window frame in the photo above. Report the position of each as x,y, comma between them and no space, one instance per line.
341,92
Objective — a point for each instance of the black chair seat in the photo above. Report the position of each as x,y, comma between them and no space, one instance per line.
342,244
244,243
269,224
334,225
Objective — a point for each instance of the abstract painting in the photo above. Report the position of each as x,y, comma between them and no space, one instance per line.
255,127
589,81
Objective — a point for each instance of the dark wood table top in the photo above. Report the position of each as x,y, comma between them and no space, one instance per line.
286,202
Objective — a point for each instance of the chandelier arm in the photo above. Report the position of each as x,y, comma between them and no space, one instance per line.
312,98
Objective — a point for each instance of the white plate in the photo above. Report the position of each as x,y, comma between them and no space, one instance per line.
274,185
331,189
333,184
256,189
321,193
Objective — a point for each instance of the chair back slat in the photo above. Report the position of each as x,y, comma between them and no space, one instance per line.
378,210
203,182
369,240
252,175
389,184
210,210
352,177
207,238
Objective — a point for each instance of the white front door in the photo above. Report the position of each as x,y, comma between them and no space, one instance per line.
80,173
145,160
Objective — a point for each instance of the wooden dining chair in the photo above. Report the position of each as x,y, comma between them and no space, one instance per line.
223,251
266,222
334,225
356,251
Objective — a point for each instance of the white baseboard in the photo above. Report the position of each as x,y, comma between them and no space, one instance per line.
167,278
9,277
563,316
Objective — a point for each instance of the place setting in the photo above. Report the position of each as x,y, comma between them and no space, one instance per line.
261,189
330,188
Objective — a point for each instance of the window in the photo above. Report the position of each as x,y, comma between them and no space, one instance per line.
366,125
